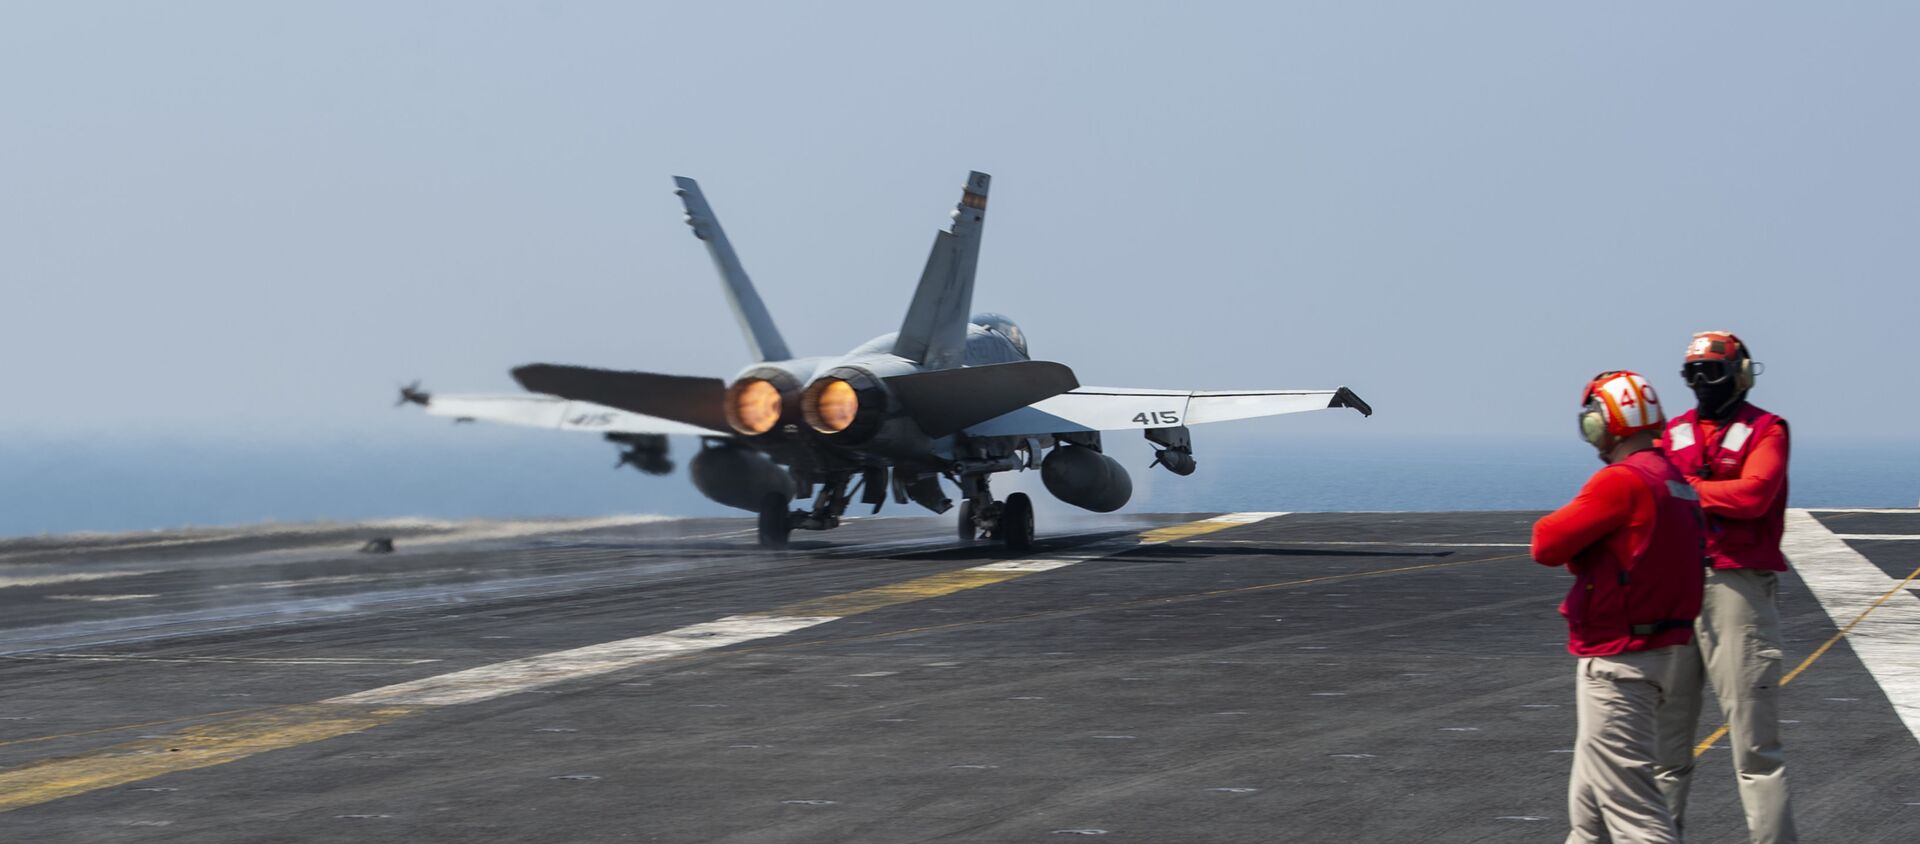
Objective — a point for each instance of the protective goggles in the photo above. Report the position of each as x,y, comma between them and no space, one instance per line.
1700,373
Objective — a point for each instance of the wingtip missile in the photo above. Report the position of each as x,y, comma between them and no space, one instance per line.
412,394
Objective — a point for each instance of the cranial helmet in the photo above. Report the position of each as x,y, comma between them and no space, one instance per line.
1715,356
1618,405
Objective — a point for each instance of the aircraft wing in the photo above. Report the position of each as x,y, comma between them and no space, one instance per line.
553,412
1117,409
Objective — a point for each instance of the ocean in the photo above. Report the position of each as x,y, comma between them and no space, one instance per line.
64,484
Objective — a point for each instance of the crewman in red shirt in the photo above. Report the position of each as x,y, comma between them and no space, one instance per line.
1632,539
1735,456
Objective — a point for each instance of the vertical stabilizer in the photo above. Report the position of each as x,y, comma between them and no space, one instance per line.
935,331
755,322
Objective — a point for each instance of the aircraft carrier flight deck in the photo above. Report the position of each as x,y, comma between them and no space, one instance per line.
1241,677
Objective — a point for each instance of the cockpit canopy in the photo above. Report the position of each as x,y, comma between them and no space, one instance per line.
1004,327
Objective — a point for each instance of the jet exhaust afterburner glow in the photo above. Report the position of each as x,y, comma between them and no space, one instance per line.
753,406
831,406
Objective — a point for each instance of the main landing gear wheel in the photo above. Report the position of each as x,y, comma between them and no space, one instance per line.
1016,522
775,521
968,530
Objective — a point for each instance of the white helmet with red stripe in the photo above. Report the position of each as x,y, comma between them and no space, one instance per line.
1618,405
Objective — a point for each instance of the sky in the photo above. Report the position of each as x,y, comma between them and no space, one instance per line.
249,222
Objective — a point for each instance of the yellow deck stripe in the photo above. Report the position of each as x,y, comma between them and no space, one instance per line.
918,589
1202,527
213,744
947,583
233,739
121,728
1817,653
1160,600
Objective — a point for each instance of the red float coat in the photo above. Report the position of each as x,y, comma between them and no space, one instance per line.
1739,468
1633,540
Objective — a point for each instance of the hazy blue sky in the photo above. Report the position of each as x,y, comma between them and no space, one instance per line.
251,219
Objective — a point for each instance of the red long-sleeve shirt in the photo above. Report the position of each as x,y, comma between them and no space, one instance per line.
1762,476
1634,549
1614,507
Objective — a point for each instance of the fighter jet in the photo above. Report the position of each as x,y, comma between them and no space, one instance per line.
950,398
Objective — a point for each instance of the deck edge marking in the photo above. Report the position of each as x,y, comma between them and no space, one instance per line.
1880,620
1708,742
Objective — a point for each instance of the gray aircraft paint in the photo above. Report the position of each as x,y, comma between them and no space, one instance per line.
762,337
950,395
935,330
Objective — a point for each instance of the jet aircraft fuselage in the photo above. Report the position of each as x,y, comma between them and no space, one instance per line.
950,397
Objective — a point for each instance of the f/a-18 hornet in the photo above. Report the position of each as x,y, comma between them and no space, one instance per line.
947,396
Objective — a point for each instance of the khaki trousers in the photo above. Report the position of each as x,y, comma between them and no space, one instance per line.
1612,796
1737,647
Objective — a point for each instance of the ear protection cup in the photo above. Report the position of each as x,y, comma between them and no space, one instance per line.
1593,426
1743,373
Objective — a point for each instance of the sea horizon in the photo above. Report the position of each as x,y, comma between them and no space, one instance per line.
59,484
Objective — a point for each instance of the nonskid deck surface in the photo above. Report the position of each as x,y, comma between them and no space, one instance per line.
1160,678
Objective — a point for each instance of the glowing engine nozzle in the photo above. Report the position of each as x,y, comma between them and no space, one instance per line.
847,404
753,406
831,406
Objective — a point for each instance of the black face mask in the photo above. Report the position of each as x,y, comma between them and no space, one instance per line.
1717,401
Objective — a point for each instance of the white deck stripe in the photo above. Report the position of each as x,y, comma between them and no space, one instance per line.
1027,565
1846,584
1243,518
519,675
513,676
1879,537
1895,510
236,660
82,577
1411,543
337,579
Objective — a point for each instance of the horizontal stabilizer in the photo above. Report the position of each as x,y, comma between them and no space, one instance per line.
1112,409
944,401
679,398
554,413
